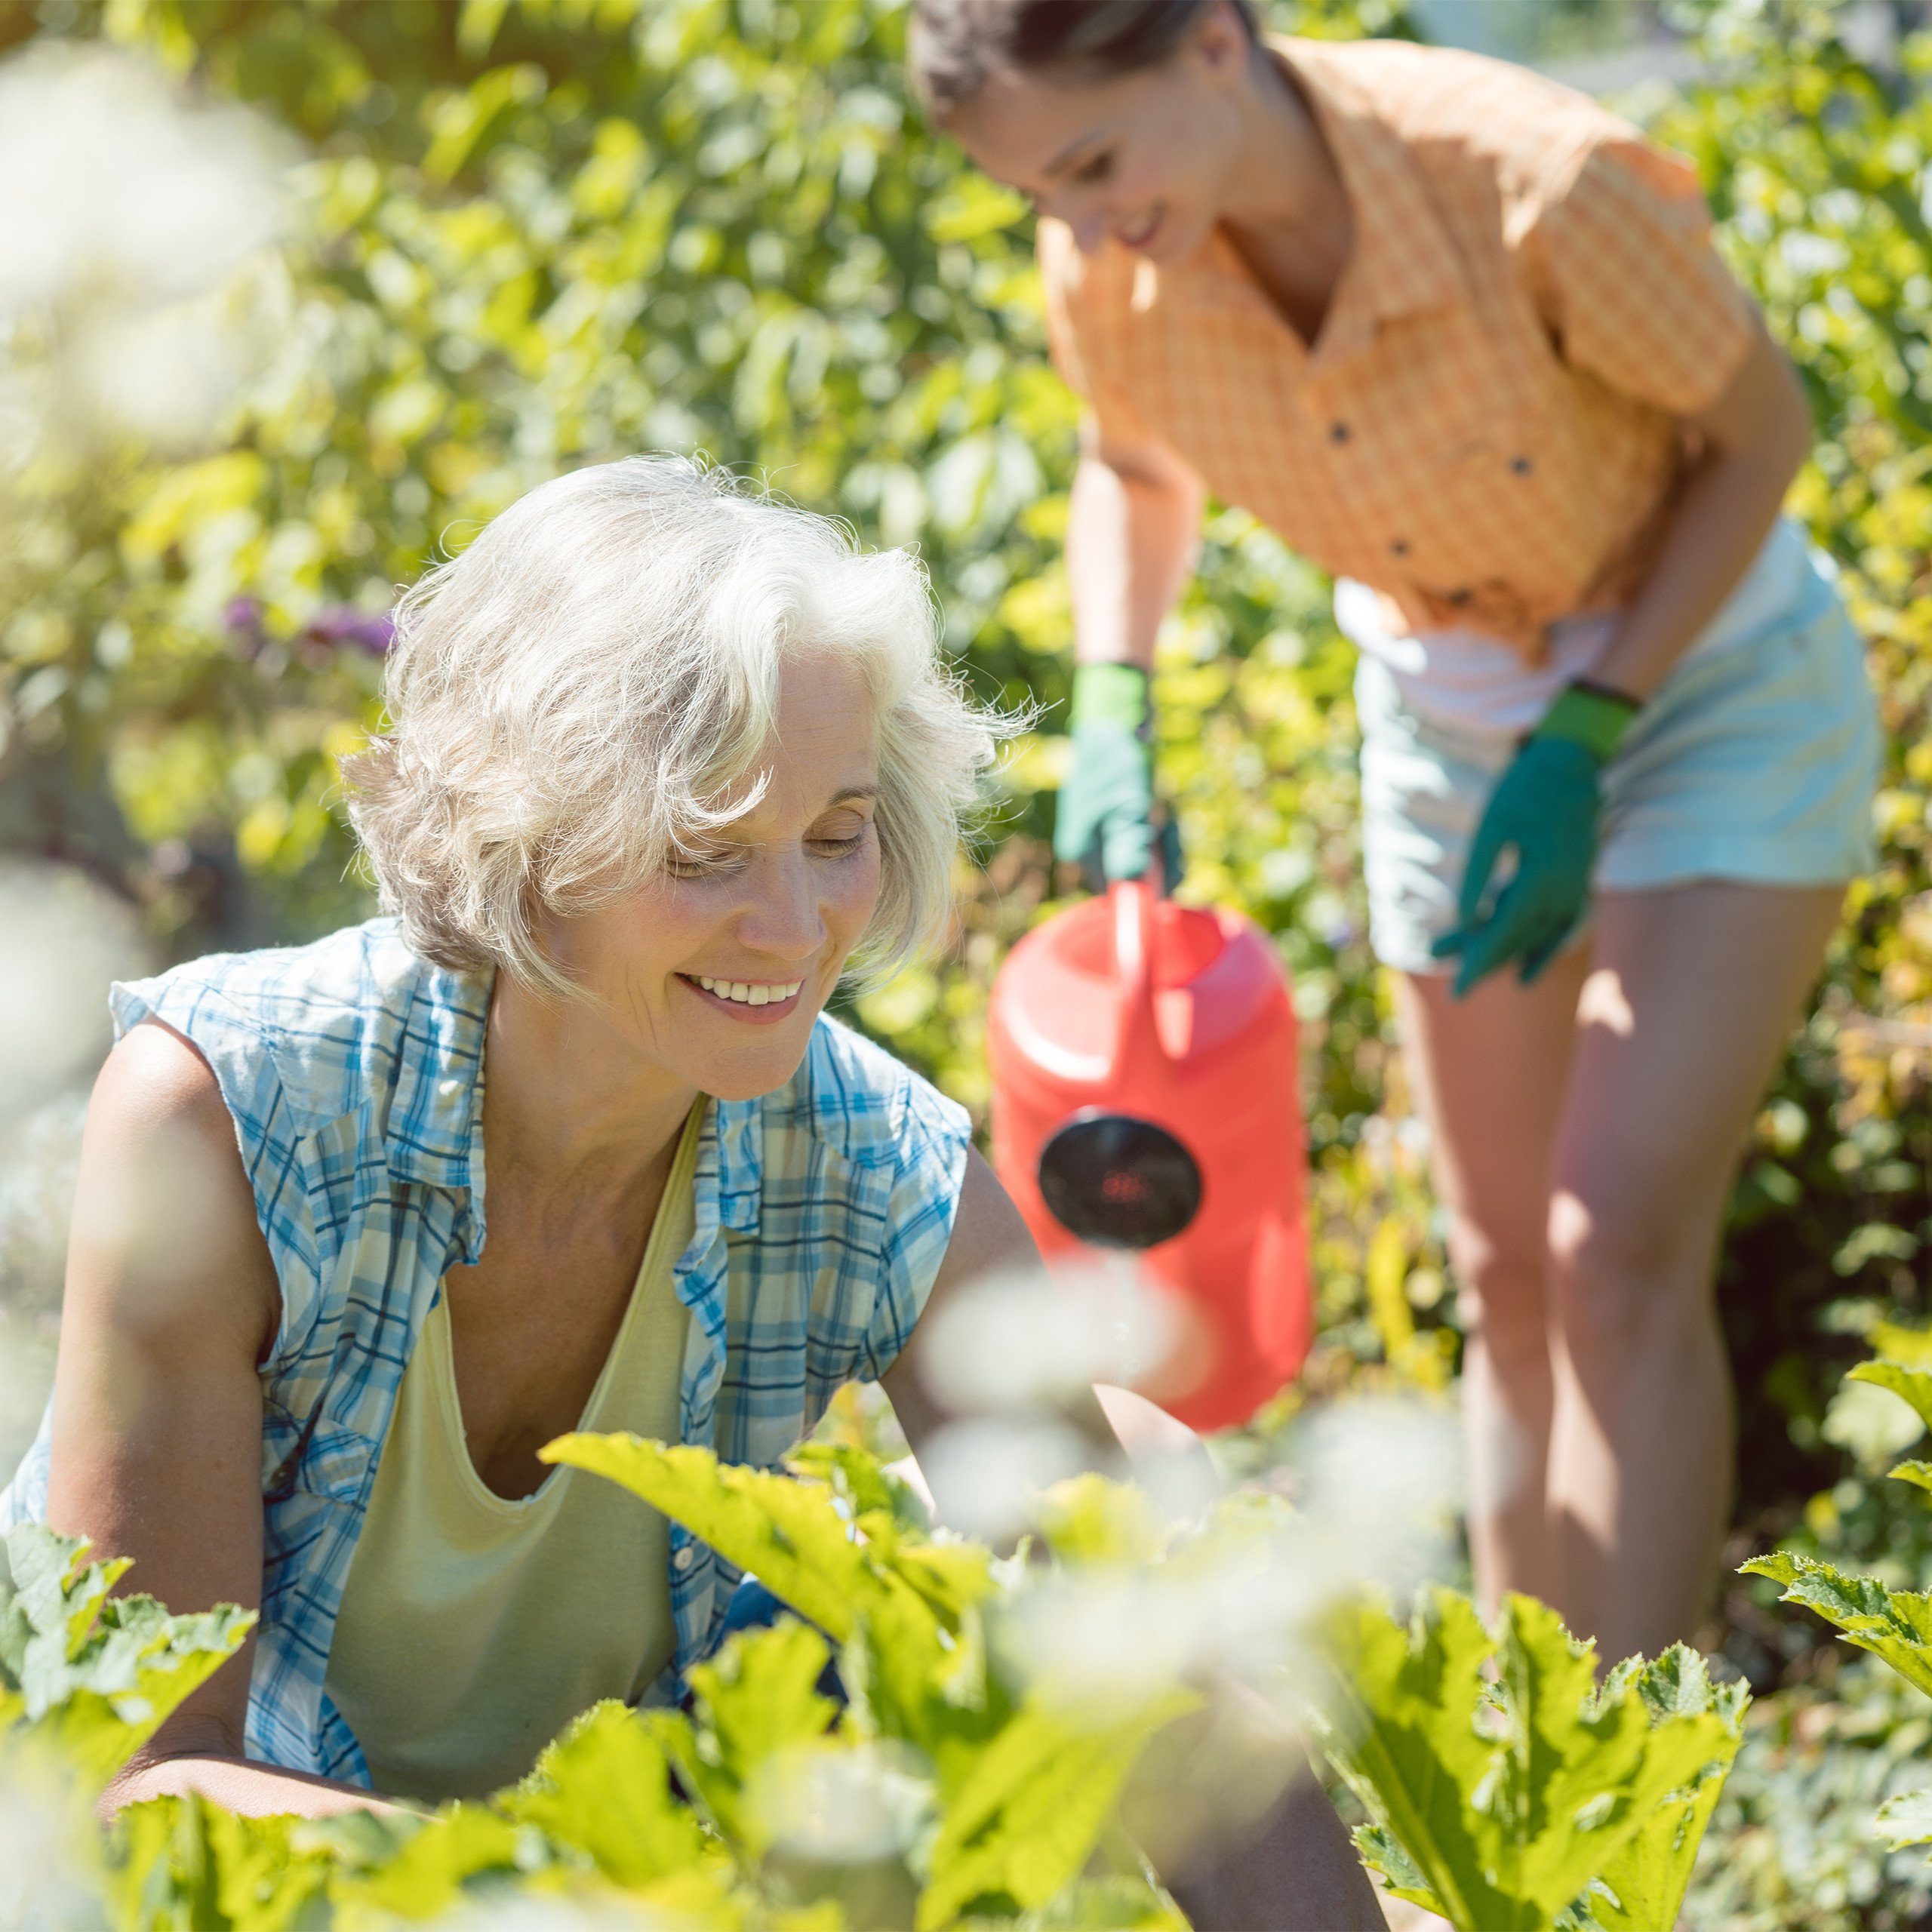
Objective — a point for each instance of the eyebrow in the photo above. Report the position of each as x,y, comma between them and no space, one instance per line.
844,796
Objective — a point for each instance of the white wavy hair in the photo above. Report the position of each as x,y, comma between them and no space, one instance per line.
583,693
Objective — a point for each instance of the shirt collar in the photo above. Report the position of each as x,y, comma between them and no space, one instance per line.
739,1127
435,1134
436,1125
1401,262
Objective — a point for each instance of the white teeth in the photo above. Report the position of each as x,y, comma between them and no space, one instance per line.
746,992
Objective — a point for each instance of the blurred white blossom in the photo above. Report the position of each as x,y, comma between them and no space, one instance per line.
136,283
605,1911
44,1886
836,1804
62,939
987,1474
1377,1483
26,1374
1031,1340
39,1157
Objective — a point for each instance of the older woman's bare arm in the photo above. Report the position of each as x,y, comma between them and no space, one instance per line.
171,1303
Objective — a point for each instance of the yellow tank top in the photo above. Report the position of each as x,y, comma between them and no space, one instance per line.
473,1627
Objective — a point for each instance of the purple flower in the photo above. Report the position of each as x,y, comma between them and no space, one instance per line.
241,617
374,632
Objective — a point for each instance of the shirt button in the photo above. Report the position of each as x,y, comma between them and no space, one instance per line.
684,1557
1400,546
1338,433
1522,465
1462,596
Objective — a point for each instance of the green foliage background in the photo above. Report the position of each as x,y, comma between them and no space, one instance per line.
538,233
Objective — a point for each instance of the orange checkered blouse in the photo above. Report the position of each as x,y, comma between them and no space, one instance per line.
1490,428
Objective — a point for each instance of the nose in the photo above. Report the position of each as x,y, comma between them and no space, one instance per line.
1081,212
781,921
1090,230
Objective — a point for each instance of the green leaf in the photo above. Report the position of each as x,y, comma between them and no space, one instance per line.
604,1789
93,1676
1642,1886
1905,1820
859,1482
786,1533
757,1698
1086,1521
1381,1852
1895,1625
1892,1341
1508,1802
1023,1822
427,1875
903,1613
185,1862
976,207
1913,1386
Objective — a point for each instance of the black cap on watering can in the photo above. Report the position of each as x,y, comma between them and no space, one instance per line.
1117,1181
1109,1176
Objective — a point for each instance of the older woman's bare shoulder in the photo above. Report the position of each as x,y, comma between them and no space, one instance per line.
161,1197
156,1076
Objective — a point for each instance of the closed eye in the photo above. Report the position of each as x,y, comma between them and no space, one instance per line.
703,865
1097,168
837,846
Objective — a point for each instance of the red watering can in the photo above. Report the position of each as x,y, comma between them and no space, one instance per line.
1145,1097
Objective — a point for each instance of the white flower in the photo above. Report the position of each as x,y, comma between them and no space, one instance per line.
137,287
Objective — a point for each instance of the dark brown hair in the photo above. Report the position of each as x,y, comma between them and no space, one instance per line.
955,47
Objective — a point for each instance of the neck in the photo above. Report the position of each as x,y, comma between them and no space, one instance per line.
1286,181
564,1098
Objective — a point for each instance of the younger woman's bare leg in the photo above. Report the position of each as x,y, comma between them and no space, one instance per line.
1489,1073
1691,998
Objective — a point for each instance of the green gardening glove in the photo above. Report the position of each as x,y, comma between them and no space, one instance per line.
1545,809
1105,823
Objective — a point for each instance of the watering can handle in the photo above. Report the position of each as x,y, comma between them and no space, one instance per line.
1138,1038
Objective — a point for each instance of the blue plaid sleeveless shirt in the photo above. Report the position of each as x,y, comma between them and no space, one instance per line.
353,1070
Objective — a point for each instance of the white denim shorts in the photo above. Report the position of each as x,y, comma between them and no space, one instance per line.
1757,762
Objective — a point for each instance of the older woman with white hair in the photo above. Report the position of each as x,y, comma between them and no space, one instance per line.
667,762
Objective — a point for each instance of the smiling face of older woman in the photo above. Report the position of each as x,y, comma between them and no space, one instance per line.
672,758
716,968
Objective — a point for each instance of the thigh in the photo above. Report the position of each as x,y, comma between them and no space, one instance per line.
1490,1072
1690,998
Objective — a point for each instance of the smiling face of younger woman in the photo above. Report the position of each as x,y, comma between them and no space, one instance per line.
1150,159
715,969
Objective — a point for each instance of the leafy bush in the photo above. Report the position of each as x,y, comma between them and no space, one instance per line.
960,1775
1509,1790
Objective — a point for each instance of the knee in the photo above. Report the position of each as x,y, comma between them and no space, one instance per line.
1500,1285
1624,1266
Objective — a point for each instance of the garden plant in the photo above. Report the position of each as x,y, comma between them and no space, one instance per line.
950,1779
